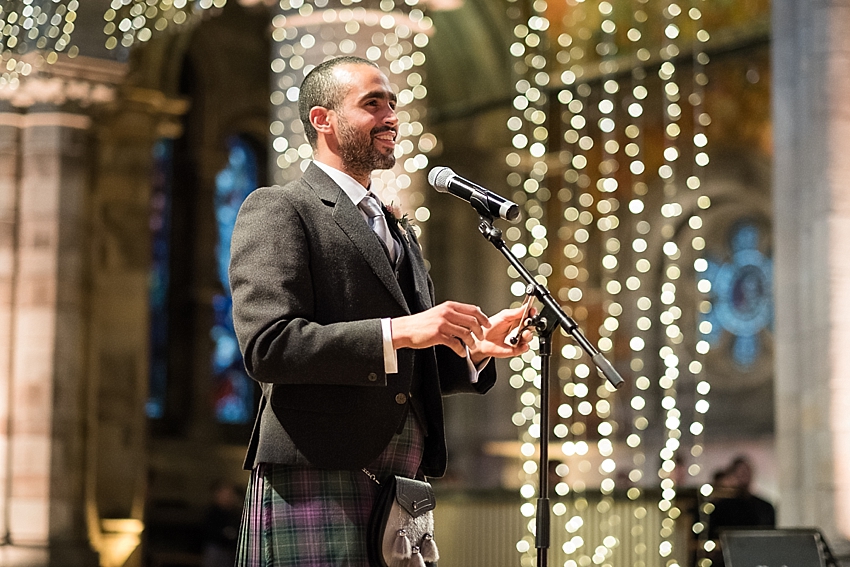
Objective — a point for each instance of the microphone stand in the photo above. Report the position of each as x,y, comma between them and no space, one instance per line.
545,322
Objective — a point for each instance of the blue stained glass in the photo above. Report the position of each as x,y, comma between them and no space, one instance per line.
233,388
741,291
160,226
745,349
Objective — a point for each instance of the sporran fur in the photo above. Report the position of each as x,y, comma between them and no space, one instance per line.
401,526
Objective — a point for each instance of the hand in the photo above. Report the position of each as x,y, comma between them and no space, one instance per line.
495,343
457,325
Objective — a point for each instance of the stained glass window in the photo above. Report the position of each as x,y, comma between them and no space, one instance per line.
742,295
233,389
160,226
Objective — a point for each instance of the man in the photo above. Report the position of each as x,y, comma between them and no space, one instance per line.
336,319
736,506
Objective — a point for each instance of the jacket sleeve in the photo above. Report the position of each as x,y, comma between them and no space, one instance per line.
274,305
454,374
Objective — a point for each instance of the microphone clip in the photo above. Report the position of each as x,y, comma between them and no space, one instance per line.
479,203
487,229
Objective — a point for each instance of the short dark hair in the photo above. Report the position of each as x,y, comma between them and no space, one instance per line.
320,88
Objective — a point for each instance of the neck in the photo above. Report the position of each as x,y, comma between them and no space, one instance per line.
334,160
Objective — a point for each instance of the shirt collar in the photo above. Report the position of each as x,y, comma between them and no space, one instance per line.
348,184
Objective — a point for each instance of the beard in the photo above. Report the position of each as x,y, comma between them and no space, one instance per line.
358,152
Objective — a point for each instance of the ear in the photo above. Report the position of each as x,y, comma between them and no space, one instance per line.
320,119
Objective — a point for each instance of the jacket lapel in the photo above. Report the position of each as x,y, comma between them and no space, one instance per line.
349,219
410,249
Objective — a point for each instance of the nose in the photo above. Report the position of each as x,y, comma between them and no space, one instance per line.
391,118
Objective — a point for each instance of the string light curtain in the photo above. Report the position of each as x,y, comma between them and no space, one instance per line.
671,210
701,120
43,28
607,163
36,32
391,34
640,325
528,175
137,21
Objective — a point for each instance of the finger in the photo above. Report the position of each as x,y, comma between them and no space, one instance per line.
512,323
503,351
510,316
482,319
475,327
465,339
474,311
451,329
467,324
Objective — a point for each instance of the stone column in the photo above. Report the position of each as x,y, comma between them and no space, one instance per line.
9,157
811,55
73,317
46,378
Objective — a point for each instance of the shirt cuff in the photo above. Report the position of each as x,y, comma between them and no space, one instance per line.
475,370
390,358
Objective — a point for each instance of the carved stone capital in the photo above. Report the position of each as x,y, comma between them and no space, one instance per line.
82,82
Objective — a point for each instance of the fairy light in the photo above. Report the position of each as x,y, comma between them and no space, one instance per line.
607,225
670,210
572,426
34,33
304,34
30,25
590,176
536,119
601,155
528,172
576,215
640,302
702,388
137,21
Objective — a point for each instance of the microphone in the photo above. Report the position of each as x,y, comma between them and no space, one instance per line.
483,200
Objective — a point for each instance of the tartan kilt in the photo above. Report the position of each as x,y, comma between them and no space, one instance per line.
307,517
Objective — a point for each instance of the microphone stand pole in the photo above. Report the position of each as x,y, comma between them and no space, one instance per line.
545,323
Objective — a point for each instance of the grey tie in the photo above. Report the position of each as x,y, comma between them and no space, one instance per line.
377,222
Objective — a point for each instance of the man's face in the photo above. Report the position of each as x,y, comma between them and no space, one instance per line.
366,124
743,473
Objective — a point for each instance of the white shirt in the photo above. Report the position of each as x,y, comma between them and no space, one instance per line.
356,192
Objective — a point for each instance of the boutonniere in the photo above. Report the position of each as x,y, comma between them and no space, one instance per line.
401,221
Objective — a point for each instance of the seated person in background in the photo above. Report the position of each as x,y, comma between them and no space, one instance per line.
736,506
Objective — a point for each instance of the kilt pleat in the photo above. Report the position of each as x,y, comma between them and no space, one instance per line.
307,517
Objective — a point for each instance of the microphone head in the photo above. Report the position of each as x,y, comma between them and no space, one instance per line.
439,177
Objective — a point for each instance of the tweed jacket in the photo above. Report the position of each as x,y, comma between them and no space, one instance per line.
310,283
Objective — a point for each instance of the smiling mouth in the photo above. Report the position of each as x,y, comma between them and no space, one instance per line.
386,137
385,134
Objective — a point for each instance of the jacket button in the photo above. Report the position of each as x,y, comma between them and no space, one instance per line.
400,399
372,377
